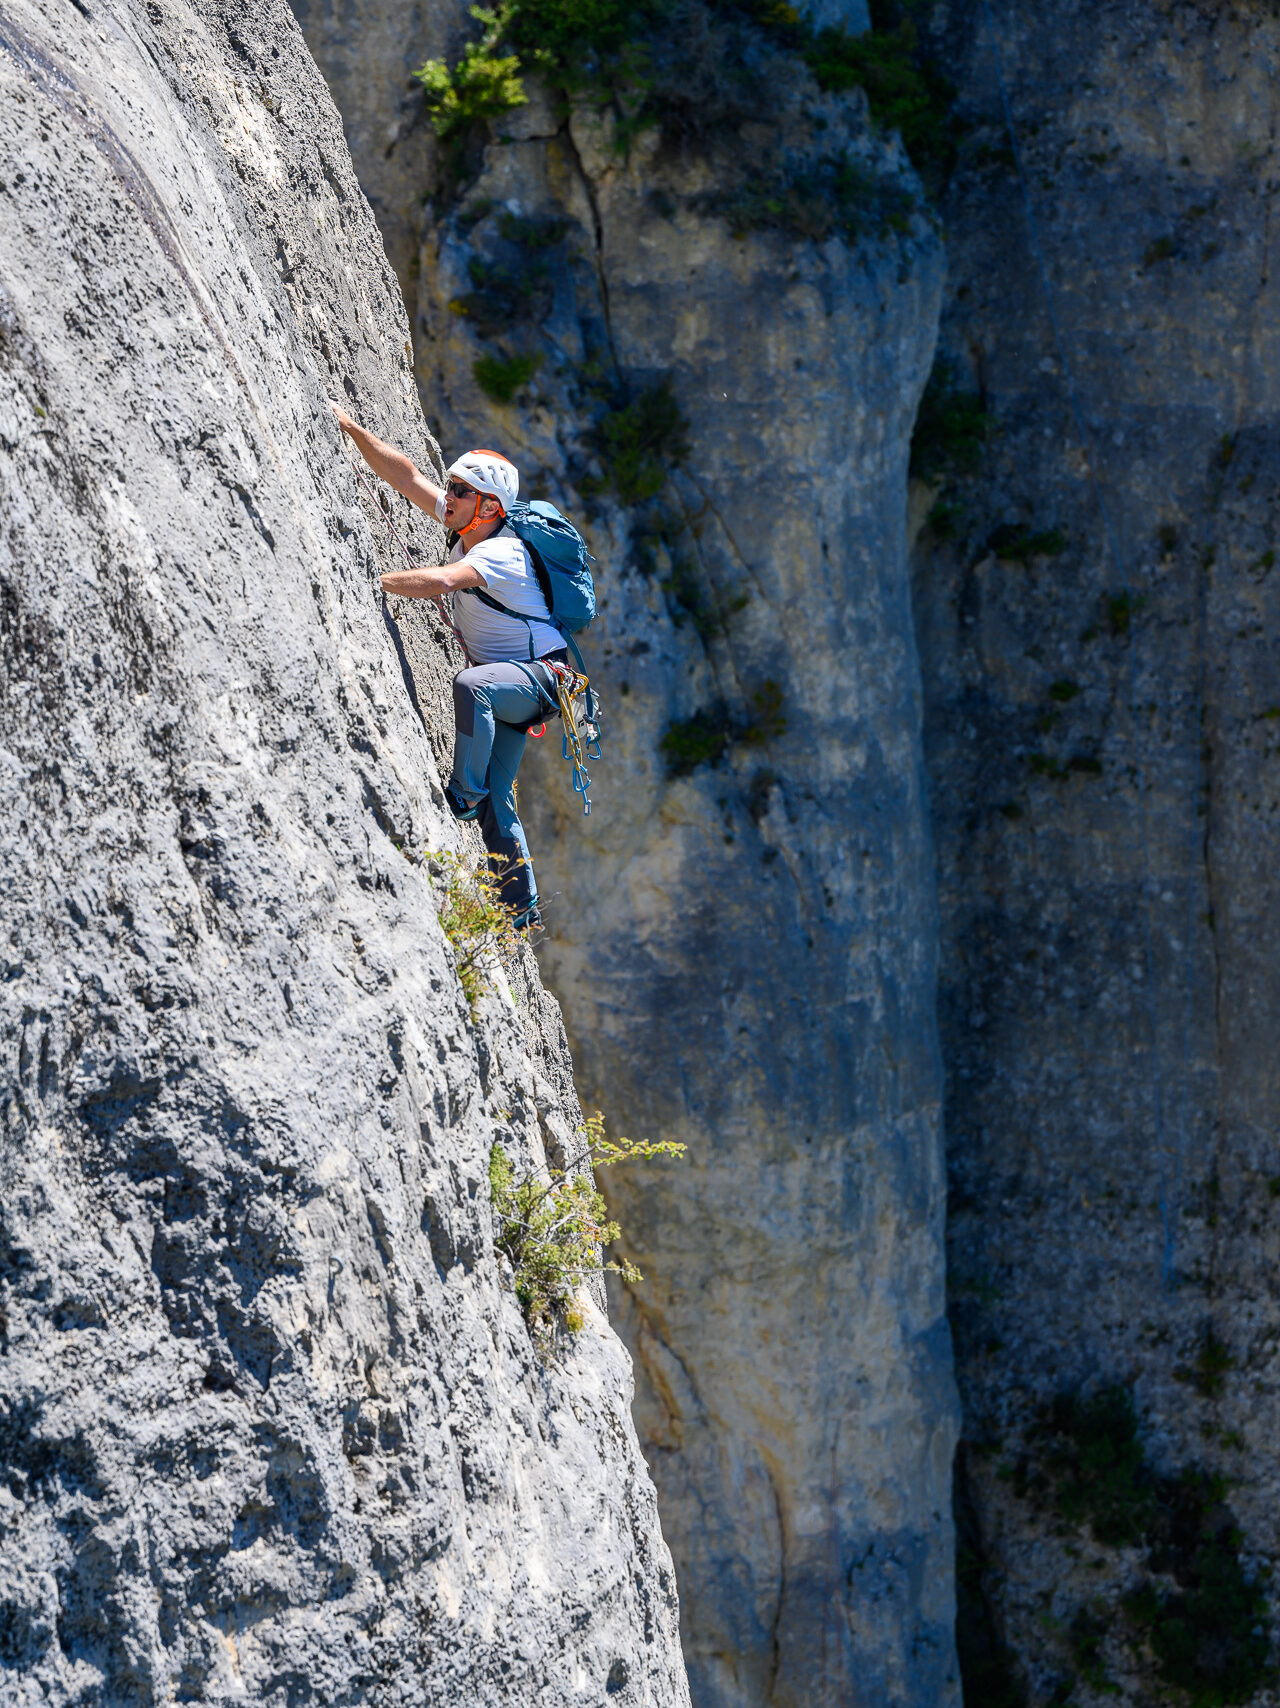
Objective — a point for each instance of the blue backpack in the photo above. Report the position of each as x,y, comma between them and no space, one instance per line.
562,565
561,562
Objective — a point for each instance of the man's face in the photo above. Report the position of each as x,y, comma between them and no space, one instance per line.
460,502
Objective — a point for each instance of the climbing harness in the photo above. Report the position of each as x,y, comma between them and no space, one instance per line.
581,723
1168,1199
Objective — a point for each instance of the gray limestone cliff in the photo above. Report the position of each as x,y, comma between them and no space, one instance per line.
744,948
1093,594
272,1427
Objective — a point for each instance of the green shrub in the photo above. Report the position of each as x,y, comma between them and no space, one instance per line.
532,233
482,86
638,440
1085,1637
825,198
702,739
597,48
952,426
551,1225
905,91
1210,1631
1099,1465
706,737
1205,1621
767,721
475,922
505,293
502,377
944,519
1016,543
1158,251
1120,610
1078,764
1208,1373
1063,689
693,67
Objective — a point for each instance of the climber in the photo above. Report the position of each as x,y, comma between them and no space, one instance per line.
507,687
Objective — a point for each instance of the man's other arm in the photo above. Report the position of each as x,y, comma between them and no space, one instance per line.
431,583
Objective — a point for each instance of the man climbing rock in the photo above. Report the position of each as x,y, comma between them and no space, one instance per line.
501,614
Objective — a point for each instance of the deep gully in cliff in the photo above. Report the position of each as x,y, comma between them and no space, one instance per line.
1169,1188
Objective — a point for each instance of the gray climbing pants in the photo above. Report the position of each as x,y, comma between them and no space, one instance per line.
494,706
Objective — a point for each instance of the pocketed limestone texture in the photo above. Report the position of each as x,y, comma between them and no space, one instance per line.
271,1426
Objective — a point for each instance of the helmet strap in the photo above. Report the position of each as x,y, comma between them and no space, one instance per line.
478,520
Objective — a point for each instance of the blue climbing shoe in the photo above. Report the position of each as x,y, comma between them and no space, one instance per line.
461,808
528,919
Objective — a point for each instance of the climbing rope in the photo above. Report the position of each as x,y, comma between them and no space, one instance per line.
398,537
1168,1203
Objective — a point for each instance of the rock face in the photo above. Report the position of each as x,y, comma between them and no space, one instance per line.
371,55
745,951
1109,900
270,1425
1101,708
745,954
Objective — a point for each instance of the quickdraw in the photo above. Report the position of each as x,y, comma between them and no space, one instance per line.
581,739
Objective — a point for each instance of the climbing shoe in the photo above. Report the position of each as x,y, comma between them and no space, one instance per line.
461,808
529,919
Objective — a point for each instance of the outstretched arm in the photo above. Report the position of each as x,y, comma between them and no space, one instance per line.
389,465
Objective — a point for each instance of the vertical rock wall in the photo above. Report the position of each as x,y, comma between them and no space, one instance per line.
270,1427
744,953
1108,883
1108,993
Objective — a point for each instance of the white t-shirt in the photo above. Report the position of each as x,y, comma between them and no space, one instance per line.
506,569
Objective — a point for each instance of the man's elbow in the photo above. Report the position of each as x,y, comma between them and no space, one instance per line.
460,575
451,577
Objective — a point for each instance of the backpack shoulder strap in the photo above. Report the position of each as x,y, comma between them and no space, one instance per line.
544,587
544,580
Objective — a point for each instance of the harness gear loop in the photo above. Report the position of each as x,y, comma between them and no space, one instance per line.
581,740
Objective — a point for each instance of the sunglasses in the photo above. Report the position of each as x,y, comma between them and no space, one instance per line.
460,491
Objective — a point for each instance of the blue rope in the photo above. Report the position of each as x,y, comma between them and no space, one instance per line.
1086,443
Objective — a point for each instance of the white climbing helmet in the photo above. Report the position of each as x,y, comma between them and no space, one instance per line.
488,471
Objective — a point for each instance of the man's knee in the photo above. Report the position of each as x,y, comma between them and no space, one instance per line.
464,705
